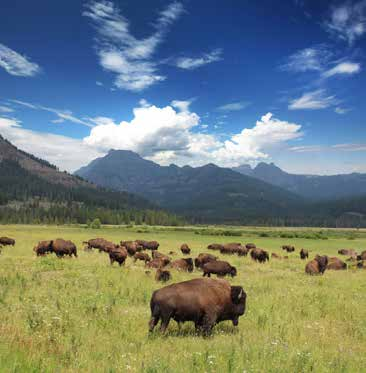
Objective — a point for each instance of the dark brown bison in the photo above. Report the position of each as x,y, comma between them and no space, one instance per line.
362,256
142,256
317,266
349,252
158,263
361,264
184,264
63,247
336,264
6,241
242,251
219,268
204,258
259,255
185,249
250,246
157,255
132,247
288,248
215,246
304,254
43,247
148,245
204,301
275,256
231,248
95,243
162,275
118,255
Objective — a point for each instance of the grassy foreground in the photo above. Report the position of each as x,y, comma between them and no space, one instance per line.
84,315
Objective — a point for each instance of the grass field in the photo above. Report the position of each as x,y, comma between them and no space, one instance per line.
66,315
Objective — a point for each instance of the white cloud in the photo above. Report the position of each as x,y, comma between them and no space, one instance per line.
98,83
347,21
313,100
308,59
343,68
6,109
234,106
16,64
307,148
65,152
350,147
181,105
120,52
340,110
189,63
323,148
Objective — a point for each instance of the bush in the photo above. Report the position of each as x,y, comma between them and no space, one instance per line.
95,224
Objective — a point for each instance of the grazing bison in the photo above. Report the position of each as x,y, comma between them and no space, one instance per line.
63,247
362,256
185,249
349,252
231,248
95,243
317,266
206,302
259,255
162,275
215,246
132,247
204,258
148,245
288,248
142,256
336,264
43,248
6,241
183,264
242,251
219,268
157,255
250,246
304,254
118,255
158,263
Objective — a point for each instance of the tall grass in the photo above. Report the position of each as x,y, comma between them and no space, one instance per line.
84,315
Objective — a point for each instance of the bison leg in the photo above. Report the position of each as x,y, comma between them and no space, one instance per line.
153,322
164,322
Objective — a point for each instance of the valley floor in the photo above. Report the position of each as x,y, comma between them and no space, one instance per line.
83,315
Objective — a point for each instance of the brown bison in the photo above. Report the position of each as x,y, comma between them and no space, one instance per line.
184,264
118,255
204,301
304,254
215,246
288,248
95,243
6,241
250,246
185,249
43,247
204,258
362,256
349,252
157,255
148,245
162,275
231,248
63,247
259,255
242,251
275,256
336,264
317,266
158,263
132,247
219,268
142,256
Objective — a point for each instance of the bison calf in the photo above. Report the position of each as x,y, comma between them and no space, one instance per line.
219,268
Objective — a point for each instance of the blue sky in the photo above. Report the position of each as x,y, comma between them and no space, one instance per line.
187,82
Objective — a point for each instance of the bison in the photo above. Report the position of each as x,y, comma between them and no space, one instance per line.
183,264
215,246
336,264
204,258
219,268
43,247
95,243
275,256
6,241
259,255
304,254
142,256
132,247
158,263
242,251
349,252
317,266
362,256
206,302
185,249
148,245
288,248
250,246
118,255
63,247
162,275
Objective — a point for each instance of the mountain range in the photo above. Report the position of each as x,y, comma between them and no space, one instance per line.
312,187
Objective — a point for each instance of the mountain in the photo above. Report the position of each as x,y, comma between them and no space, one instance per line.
204,194
32,188
312,187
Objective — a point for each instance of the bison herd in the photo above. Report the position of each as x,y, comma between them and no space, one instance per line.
205,301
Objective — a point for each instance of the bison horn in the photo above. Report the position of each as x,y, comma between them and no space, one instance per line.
240,294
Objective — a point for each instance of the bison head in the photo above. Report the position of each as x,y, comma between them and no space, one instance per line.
322,261
233,272
189,262
238,298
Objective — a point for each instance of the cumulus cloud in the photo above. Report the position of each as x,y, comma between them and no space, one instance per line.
347,21
16,64
234,106
65,152
189,63
119,52
343,68
313,100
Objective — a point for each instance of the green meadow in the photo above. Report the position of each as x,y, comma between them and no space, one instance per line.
82,315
